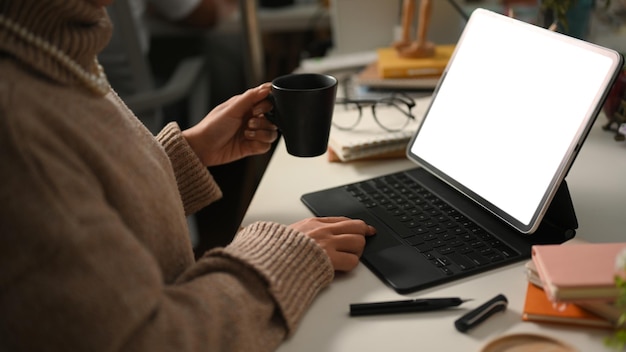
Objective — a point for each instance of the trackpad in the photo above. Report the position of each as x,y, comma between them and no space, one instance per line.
403,268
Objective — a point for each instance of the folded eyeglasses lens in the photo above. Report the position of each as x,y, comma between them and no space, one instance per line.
391,113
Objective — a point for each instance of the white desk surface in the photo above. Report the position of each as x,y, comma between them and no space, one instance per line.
596,186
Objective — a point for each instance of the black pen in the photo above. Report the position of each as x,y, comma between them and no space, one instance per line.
476,316
405,306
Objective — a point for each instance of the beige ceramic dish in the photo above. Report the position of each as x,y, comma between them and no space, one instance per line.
527,343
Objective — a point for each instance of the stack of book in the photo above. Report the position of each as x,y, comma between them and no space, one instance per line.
391,71
573,284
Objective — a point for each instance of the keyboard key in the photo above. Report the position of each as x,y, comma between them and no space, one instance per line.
446,270
450,225
456,231
397,212
506,251
444,261
461,261
439,229
424,247
437,243
363,198
467,237
445,250
430,223
419,229
428,255
389,206
446,237
421,217
415,240
412,223
430,236
477,244
477,258
465,250
456,243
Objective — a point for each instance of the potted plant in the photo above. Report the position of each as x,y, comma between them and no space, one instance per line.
568,16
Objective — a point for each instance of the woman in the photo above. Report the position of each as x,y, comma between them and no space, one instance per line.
94,249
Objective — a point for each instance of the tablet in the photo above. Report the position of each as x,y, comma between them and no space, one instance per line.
510,114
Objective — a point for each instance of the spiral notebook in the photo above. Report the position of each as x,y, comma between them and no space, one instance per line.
368,139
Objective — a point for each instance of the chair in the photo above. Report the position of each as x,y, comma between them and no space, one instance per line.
128,66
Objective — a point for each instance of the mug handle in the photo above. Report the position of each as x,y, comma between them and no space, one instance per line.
271,115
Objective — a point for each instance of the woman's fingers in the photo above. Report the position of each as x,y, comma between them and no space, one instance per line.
343,225
343,261
261,136
342,239
252,101
350,243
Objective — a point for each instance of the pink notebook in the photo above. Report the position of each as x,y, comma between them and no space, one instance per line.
578,272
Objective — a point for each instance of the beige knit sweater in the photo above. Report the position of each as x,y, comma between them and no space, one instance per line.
94,248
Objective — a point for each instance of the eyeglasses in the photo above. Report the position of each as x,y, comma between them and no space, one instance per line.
392,120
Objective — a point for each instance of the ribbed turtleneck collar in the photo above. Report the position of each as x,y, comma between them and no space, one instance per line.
77,27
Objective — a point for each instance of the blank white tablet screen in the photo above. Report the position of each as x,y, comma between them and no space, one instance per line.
510,112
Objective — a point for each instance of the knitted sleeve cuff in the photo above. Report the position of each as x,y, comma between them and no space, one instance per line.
196,185
293,265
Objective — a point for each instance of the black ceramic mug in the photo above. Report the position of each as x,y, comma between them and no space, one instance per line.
303,110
